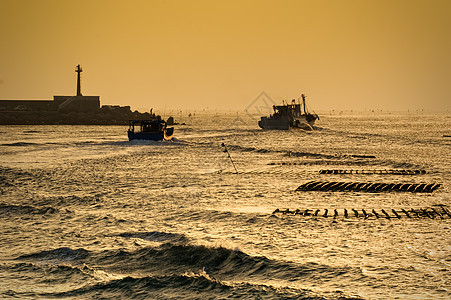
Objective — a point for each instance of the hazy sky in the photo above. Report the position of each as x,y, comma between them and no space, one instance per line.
390,55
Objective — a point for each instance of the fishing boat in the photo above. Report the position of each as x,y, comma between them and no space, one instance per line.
286,116
154,129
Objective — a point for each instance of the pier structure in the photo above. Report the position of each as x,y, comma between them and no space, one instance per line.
64,104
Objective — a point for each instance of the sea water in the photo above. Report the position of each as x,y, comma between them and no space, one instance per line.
85,213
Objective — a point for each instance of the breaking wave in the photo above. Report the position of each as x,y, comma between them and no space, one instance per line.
60,254
167,265
181,271
156,236
190,286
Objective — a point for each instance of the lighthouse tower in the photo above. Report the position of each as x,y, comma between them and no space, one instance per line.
78,70
77,103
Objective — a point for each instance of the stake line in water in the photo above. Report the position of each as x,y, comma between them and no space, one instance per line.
228,154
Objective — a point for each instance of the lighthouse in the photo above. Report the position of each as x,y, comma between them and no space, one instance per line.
77,103
78,70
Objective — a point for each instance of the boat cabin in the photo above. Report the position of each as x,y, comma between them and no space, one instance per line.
156,125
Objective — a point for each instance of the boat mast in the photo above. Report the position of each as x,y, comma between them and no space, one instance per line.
303,103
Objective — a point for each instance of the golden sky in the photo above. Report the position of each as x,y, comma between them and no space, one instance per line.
344,54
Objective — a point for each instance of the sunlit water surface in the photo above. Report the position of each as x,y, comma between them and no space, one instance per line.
85,213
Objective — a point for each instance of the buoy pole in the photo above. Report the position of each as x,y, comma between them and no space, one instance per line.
225,147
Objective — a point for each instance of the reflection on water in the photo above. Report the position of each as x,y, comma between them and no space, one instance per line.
86,213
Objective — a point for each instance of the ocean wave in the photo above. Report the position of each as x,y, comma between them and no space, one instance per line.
157,236
189,286
330,159
172,258
51,273
96,143
10,176
304,154
26,209
59,255
178,141
19,144
31,131
212,215
149,142
69,200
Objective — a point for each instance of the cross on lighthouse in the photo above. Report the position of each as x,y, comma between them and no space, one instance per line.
78,70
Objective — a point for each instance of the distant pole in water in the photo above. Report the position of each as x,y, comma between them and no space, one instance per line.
227,151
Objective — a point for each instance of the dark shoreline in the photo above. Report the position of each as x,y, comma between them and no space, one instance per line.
100,117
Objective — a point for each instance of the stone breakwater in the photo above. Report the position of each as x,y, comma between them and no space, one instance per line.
98,117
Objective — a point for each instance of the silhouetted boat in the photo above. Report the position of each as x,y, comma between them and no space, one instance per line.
286,116
153,129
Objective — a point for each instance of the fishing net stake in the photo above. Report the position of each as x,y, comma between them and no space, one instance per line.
227,151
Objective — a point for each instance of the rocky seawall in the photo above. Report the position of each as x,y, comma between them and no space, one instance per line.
98,117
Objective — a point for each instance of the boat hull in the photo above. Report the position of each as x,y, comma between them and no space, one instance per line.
285,123
151,136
